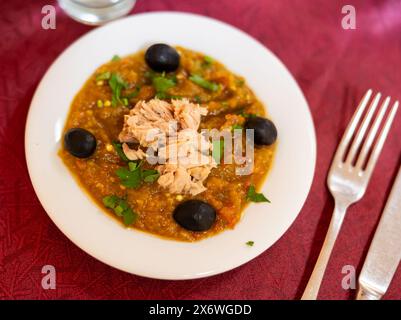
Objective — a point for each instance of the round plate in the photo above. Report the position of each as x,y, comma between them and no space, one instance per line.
84,223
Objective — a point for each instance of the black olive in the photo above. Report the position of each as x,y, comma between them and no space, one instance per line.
265,132
80,142
161,57
195,215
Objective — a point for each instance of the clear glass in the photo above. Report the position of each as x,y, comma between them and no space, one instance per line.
96,12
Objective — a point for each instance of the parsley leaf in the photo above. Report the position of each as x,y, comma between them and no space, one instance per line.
129,217
250,243
197,99
253,196
150,175
103,76
133,165
247,115
134,175
128,178
110,201
117,84
212,86
119,149
120,208
207,61
236,126
115,58
162,84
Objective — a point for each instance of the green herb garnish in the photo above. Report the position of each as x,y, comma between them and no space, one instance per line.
161,95
119,150
117,84
103,76
175,97
197,99
133,165
110,201
115,58
207,61
253,196
134,175
162,84
237,126
120,208
247,115
200,81
129,217
150,175
250,243
131,177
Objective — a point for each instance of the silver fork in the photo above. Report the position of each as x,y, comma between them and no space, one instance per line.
350,173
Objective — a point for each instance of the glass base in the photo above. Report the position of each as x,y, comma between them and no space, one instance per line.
96,12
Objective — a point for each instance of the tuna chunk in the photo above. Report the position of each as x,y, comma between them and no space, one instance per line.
171,130
133,154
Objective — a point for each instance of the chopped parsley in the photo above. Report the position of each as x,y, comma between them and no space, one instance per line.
207,61
162,83
117,84
150,175
250,243
247,115
128,178
253,196
131,177
133,165
119,150
200,81
115,58
120,208
134,175
237,126
103,76
197,99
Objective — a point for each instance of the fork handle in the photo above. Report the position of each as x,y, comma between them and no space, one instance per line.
313,286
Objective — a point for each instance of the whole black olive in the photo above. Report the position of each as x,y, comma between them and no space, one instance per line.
265,132
80,142
161,57
195,215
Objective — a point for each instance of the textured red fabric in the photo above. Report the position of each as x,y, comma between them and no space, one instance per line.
333,66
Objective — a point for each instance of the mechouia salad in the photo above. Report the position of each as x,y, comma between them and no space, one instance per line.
160,140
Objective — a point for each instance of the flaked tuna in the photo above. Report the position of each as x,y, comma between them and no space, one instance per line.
171,130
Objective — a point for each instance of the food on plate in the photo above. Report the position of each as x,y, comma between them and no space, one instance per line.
136,140
195,215
265,132
161,57
80,142
178,122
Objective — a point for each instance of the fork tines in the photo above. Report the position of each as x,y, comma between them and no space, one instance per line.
356,149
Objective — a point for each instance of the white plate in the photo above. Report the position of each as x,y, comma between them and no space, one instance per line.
136,252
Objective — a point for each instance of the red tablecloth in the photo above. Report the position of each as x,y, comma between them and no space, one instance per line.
333,66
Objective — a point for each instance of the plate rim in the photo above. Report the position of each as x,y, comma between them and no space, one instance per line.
35,184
